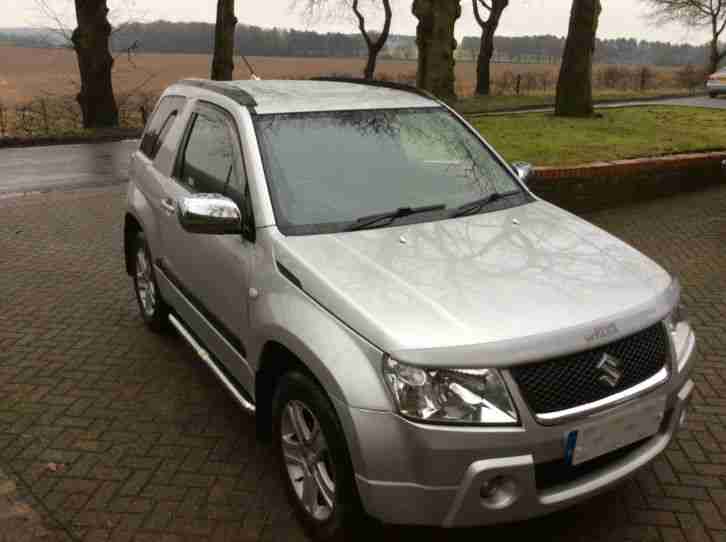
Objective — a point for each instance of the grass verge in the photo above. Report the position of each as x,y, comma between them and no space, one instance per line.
546,140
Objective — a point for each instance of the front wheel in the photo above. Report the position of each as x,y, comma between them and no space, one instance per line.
313,460
153,309
713,94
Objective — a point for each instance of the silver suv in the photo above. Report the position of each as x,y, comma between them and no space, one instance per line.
422,339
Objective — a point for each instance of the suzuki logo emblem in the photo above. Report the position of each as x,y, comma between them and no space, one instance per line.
610,369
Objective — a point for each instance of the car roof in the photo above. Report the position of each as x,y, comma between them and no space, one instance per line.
294,96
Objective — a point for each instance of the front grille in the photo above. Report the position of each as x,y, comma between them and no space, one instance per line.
573,380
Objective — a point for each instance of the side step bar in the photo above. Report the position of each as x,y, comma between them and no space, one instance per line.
207,359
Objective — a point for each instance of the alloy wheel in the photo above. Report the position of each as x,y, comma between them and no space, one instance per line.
307,459
145,283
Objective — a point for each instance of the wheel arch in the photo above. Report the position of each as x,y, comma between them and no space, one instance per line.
131,228
276,360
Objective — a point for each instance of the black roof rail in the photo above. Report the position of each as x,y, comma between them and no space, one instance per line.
220,87
378,83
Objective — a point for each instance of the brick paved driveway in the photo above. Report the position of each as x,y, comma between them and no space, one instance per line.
110,432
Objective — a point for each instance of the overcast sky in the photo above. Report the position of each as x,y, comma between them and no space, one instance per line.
620,18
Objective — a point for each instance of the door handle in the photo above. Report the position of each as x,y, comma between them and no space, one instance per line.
168,205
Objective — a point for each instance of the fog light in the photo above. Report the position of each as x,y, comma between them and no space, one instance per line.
499,492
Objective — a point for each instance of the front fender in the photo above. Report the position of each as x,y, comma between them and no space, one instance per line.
139,207
346,365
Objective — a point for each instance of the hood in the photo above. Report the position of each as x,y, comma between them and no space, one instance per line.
499,288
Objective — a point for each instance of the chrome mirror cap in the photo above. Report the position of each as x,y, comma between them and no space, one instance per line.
523,170
211,214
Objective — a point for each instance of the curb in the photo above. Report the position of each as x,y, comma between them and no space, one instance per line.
630,166
44,141
590,187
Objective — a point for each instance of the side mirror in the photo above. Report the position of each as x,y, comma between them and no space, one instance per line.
524,171
211,214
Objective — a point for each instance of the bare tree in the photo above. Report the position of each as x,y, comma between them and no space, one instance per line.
574,87
223,59
486,47
335,9
374,45
436,45
696,13
90,42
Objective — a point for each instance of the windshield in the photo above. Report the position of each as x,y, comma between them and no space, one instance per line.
328,170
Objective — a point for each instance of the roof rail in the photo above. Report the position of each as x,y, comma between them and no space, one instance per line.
378,83
220,87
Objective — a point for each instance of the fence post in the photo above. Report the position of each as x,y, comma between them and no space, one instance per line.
44,112
142,110
2,120
20,119
519,83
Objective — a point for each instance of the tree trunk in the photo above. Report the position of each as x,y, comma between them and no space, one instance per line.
223,61
483,63
714,58
370,68
90,41
486,46
436,45
574,87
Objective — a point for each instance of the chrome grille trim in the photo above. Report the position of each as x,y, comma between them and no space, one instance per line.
644,387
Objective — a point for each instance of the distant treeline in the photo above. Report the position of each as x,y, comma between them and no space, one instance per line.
609,51
168,37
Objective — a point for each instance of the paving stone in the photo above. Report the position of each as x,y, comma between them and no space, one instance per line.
147,446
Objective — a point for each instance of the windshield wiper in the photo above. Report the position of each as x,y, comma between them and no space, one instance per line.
390,216
477,205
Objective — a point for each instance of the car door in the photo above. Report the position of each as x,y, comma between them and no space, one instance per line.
144,170
211,271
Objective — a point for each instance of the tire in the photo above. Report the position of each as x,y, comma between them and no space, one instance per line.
154,310
713,94
301,410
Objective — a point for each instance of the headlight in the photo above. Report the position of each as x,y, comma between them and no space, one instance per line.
455,396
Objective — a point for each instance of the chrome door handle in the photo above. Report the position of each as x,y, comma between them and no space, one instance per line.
168,205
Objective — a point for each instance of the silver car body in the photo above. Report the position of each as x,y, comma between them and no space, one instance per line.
499,289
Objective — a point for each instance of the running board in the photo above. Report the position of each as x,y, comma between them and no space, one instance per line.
207,359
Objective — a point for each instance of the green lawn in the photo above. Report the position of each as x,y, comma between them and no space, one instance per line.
545,140
488,104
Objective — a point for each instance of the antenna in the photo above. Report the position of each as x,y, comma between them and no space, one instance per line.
253,75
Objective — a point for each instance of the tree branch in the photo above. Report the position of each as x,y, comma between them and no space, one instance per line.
362,24
482,23
383,37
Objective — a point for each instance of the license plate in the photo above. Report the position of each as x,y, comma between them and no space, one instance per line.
609,434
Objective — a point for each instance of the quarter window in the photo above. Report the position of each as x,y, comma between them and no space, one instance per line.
159,124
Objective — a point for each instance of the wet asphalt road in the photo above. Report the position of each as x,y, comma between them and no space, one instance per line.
31,169
696,101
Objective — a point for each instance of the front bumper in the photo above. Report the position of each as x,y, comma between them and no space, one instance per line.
716,87
409,473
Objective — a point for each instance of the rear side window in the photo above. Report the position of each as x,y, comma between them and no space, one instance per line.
209,164
160,123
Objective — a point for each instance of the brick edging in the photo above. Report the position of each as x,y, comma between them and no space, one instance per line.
636,165
590,187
